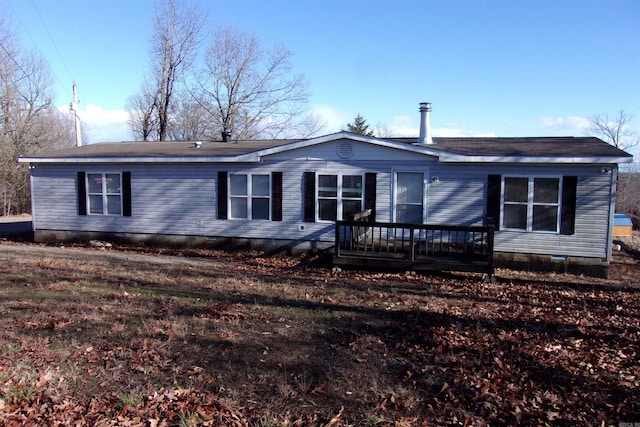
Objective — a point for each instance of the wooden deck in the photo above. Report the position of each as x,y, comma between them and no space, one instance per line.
414,246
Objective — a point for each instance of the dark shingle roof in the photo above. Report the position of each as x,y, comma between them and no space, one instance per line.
543,149
525,147
163,149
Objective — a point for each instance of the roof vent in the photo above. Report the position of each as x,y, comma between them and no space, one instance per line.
197,144
345,150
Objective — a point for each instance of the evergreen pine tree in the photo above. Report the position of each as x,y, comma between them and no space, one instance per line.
359,126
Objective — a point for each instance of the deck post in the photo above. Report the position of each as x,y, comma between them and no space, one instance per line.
412,249
337,240
490,234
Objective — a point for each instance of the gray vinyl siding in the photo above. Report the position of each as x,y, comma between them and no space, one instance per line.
360,152
458,197
181,199
165,199
54,203
591,238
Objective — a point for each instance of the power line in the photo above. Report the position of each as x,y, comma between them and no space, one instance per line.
15,61
52,41
26,30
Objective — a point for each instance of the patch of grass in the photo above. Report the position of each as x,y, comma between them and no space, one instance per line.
19,393
9,348
131,399
263,422
373,420
189,419
17,385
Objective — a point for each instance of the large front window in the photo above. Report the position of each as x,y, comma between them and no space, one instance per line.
531,203
104,193
339,196
249,196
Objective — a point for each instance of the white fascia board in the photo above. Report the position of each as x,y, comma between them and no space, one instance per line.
459,158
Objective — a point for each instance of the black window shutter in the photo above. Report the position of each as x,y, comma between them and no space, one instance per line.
222,195
126,193
309,196
82,194
276,196
569,191
370,193
494,183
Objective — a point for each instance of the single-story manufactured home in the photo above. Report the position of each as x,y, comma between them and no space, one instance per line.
551,199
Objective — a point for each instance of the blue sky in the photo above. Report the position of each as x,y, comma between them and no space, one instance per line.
504,68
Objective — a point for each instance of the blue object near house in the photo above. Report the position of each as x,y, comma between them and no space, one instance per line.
622,225
622,220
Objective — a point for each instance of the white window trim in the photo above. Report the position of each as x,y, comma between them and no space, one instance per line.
338,197
104,193
394,191
530,204
249,196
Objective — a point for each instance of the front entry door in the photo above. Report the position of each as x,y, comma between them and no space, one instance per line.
409,203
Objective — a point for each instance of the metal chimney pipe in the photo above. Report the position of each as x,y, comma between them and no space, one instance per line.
425,123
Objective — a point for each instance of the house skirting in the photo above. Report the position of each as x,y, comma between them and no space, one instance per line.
275,246
594,267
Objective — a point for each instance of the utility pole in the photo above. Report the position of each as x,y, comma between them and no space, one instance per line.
74,110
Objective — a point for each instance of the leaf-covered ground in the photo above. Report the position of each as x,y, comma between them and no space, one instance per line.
118,337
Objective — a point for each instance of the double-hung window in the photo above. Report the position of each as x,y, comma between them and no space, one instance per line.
249,196
531,203
339,196
104,191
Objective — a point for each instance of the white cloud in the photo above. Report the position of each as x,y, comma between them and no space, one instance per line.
397,126
570,124
334,119
402,131
100,125
403,119
403,126
95,114
412,130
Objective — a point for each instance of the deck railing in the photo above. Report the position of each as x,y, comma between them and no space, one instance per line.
416,246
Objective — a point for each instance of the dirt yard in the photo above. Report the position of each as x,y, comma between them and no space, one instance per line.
128,336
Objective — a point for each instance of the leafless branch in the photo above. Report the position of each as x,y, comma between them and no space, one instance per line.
615,130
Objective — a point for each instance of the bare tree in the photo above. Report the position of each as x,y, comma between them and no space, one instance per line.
628,194
382,131
177,26
29,122
143,117
190,122
251,92
614,130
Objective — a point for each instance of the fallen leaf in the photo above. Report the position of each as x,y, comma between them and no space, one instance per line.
319,389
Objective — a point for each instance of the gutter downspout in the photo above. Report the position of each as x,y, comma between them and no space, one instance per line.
33,204
612,210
